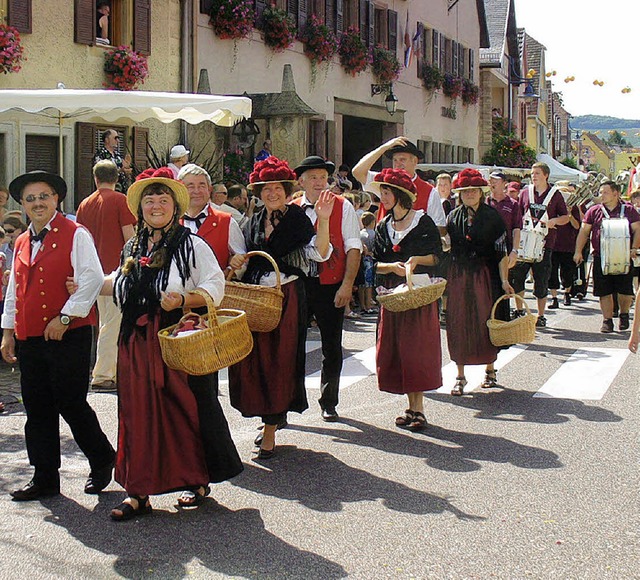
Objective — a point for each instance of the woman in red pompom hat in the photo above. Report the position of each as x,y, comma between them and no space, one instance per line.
270,381
477,277
408,352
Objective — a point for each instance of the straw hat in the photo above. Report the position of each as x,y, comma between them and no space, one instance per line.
469,179
397,178
271,170
163,175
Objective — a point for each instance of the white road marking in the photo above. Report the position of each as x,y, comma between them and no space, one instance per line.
586,375
354,369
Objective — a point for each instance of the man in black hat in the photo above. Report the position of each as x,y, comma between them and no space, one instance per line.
330,284
404,155
50,332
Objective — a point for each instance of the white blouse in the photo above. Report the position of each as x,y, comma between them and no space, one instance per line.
397,237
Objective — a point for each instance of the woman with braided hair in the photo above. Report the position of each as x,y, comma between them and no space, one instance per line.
172,433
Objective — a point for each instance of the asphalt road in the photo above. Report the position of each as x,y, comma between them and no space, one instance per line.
503,484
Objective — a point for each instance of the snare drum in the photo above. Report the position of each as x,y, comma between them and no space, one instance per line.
615,246
532,242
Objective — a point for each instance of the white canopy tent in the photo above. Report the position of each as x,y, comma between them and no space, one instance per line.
484,169
559,171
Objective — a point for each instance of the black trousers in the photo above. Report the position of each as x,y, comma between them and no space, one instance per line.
330,320
562,263
55,380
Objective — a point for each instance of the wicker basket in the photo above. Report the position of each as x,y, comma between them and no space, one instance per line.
262,304
226,342
412,297
521,330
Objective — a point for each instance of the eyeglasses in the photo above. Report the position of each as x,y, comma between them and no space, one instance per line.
40,197
117,138
9,231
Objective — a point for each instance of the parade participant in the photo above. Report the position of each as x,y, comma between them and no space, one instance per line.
217,227
169,438
50,332
562,255
270,381
513,190
106,215
330,284
542,208
509,210
178,158
604,286
404,155
443,185
406,237
478,276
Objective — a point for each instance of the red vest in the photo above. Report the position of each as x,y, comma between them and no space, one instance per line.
40,286
422,199
215,230
332,271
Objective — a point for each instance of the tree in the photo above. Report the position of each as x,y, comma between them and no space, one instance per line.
616,138
569,162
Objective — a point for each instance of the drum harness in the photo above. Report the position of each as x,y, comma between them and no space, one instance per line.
532,240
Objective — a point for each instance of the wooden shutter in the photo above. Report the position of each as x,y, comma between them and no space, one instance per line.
42,153
363,15
442,61
142,26
86,138
340,16
19,15
472,63
435,49
85,22
292,10
392,27
448,55
330,14
462,62
454,58
423,46
140,146
371,37
302,13
205,6
258,8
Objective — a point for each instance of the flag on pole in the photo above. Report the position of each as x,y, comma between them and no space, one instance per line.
407,43
415,42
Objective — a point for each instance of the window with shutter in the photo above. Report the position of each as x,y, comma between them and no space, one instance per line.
448,53
351,14
85,22
140,145
87,143
392,23
371,21
205,6
381,27
340,8
302,14
142,26
292,9
454,58
19,15
330,14
435,50
424,46
317,8
363,18
258,8
472,64
461,60
41,153
442,61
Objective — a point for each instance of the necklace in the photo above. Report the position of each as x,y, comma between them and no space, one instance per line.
396,233
394,220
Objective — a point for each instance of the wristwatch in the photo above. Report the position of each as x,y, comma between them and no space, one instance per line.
65,319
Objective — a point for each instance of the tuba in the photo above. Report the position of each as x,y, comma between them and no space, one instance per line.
587,190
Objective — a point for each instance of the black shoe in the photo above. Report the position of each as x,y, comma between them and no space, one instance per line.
99,479
33,491
607,326
616,313
517,314
104,387
329,415
567,299
282,425
624,321
541,322
554,304
580,296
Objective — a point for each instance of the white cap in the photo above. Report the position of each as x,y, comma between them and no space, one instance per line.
178,151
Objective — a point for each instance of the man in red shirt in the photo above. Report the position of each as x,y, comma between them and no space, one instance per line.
106,215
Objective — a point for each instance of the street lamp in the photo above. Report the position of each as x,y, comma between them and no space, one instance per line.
391,101
515,80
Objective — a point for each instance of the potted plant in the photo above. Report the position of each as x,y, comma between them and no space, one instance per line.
279,28
236,167
385,65
320,43
10,49
232,19
470,92
126,67
354,53
432,77
451,86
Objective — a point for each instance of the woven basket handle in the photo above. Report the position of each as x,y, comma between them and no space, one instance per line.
211,307
507,296
266,257
409,274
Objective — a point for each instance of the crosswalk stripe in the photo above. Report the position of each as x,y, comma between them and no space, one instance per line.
586,375
355,368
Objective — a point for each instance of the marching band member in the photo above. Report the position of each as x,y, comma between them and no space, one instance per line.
605,285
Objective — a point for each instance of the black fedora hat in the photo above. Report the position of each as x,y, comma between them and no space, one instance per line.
408,148
18,184
314,162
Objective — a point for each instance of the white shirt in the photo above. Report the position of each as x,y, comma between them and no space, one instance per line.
434,206
236,239
87,275
236,214
206,274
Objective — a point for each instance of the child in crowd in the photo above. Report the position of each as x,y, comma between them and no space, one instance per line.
365,290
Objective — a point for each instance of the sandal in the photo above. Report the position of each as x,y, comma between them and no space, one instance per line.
458,388
490,380
192,498
405,420
127,511
419,422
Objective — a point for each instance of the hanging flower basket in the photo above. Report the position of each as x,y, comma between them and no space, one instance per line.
355,56
320,43
279,29
126,67
470,92
236,167
386,66
10,49
232,19
451,86
432,77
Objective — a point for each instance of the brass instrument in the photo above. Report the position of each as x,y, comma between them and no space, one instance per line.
587,190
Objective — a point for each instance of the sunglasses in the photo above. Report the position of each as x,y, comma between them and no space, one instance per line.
9,231
40,197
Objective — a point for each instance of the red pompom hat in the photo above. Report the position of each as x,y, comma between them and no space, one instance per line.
398,178
162,175
469,179
271,170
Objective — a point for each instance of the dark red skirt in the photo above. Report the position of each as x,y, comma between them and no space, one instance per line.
270,380
159,441
469,303
408,350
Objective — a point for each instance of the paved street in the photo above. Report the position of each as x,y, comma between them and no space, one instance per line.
536,480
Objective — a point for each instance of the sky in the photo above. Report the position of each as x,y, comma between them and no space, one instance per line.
589,40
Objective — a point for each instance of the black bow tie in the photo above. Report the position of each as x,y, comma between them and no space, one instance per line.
306,206
38,237
197,220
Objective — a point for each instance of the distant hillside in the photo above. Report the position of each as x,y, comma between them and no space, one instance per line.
595,122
